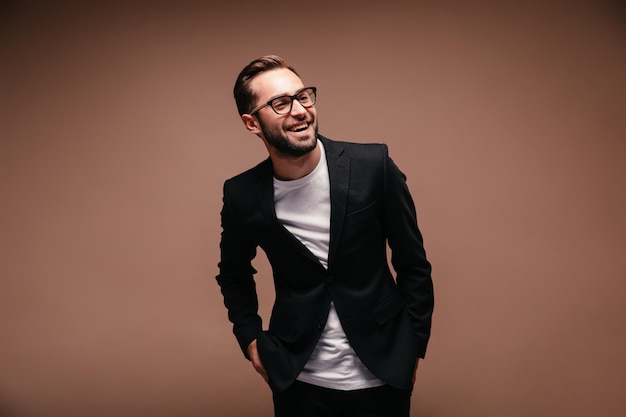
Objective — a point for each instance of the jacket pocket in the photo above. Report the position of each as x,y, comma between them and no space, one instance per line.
389,308
362,213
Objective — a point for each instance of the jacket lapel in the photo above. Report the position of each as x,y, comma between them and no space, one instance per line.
265,192
339,172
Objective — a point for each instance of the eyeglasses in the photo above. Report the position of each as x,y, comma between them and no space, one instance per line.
283,104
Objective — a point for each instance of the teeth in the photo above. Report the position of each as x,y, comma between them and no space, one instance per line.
299,127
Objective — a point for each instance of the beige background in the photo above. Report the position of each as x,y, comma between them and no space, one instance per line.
118,129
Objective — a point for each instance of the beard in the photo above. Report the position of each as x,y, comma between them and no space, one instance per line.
279,141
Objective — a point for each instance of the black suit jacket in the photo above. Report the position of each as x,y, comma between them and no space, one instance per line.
386,320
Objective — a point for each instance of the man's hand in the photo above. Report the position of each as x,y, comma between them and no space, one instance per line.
253,354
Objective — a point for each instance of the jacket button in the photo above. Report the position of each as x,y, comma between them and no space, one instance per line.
320,326
329,279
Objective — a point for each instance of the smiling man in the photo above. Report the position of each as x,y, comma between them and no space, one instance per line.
345,335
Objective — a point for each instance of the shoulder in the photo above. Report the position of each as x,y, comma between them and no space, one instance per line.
259,170
250,176
354,149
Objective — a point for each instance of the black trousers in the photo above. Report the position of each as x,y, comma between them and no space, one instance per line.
305,400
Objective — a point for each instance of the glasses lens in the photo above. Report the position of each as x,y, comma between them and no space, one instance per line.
306,97
281,105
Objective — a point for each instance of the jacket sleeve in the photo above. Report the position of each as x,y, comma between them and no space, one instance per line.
236,277
408,257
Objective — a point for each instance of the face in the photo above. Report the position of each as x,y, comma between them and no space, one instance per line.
290,135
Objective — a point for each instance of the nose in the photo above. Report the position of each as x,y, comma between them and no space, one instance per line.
297,108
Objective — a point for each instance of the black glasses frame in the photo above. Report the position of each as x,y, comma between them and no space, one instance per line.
292,98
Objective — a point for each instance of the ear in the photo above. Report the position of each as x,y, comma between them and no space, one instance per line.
251,123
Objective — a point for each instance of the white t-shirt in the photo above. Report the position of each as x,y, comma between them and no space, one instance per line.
303,207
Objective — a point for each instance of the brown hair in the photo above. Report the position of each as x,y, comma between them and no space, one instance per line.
244,96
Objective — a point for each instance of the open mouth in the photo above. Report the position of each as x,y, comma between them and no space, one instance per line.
298,127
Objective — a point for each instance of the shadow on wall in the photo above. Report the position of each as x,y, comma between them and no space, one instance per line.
6,410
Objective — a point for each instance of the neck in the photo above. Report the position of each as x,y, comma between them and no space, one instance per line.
286,169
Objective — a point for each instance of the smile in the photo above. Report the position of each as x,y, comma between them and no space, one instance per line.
298,127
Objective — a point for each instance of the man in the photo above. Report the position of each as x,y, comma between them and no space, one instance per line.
344,337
